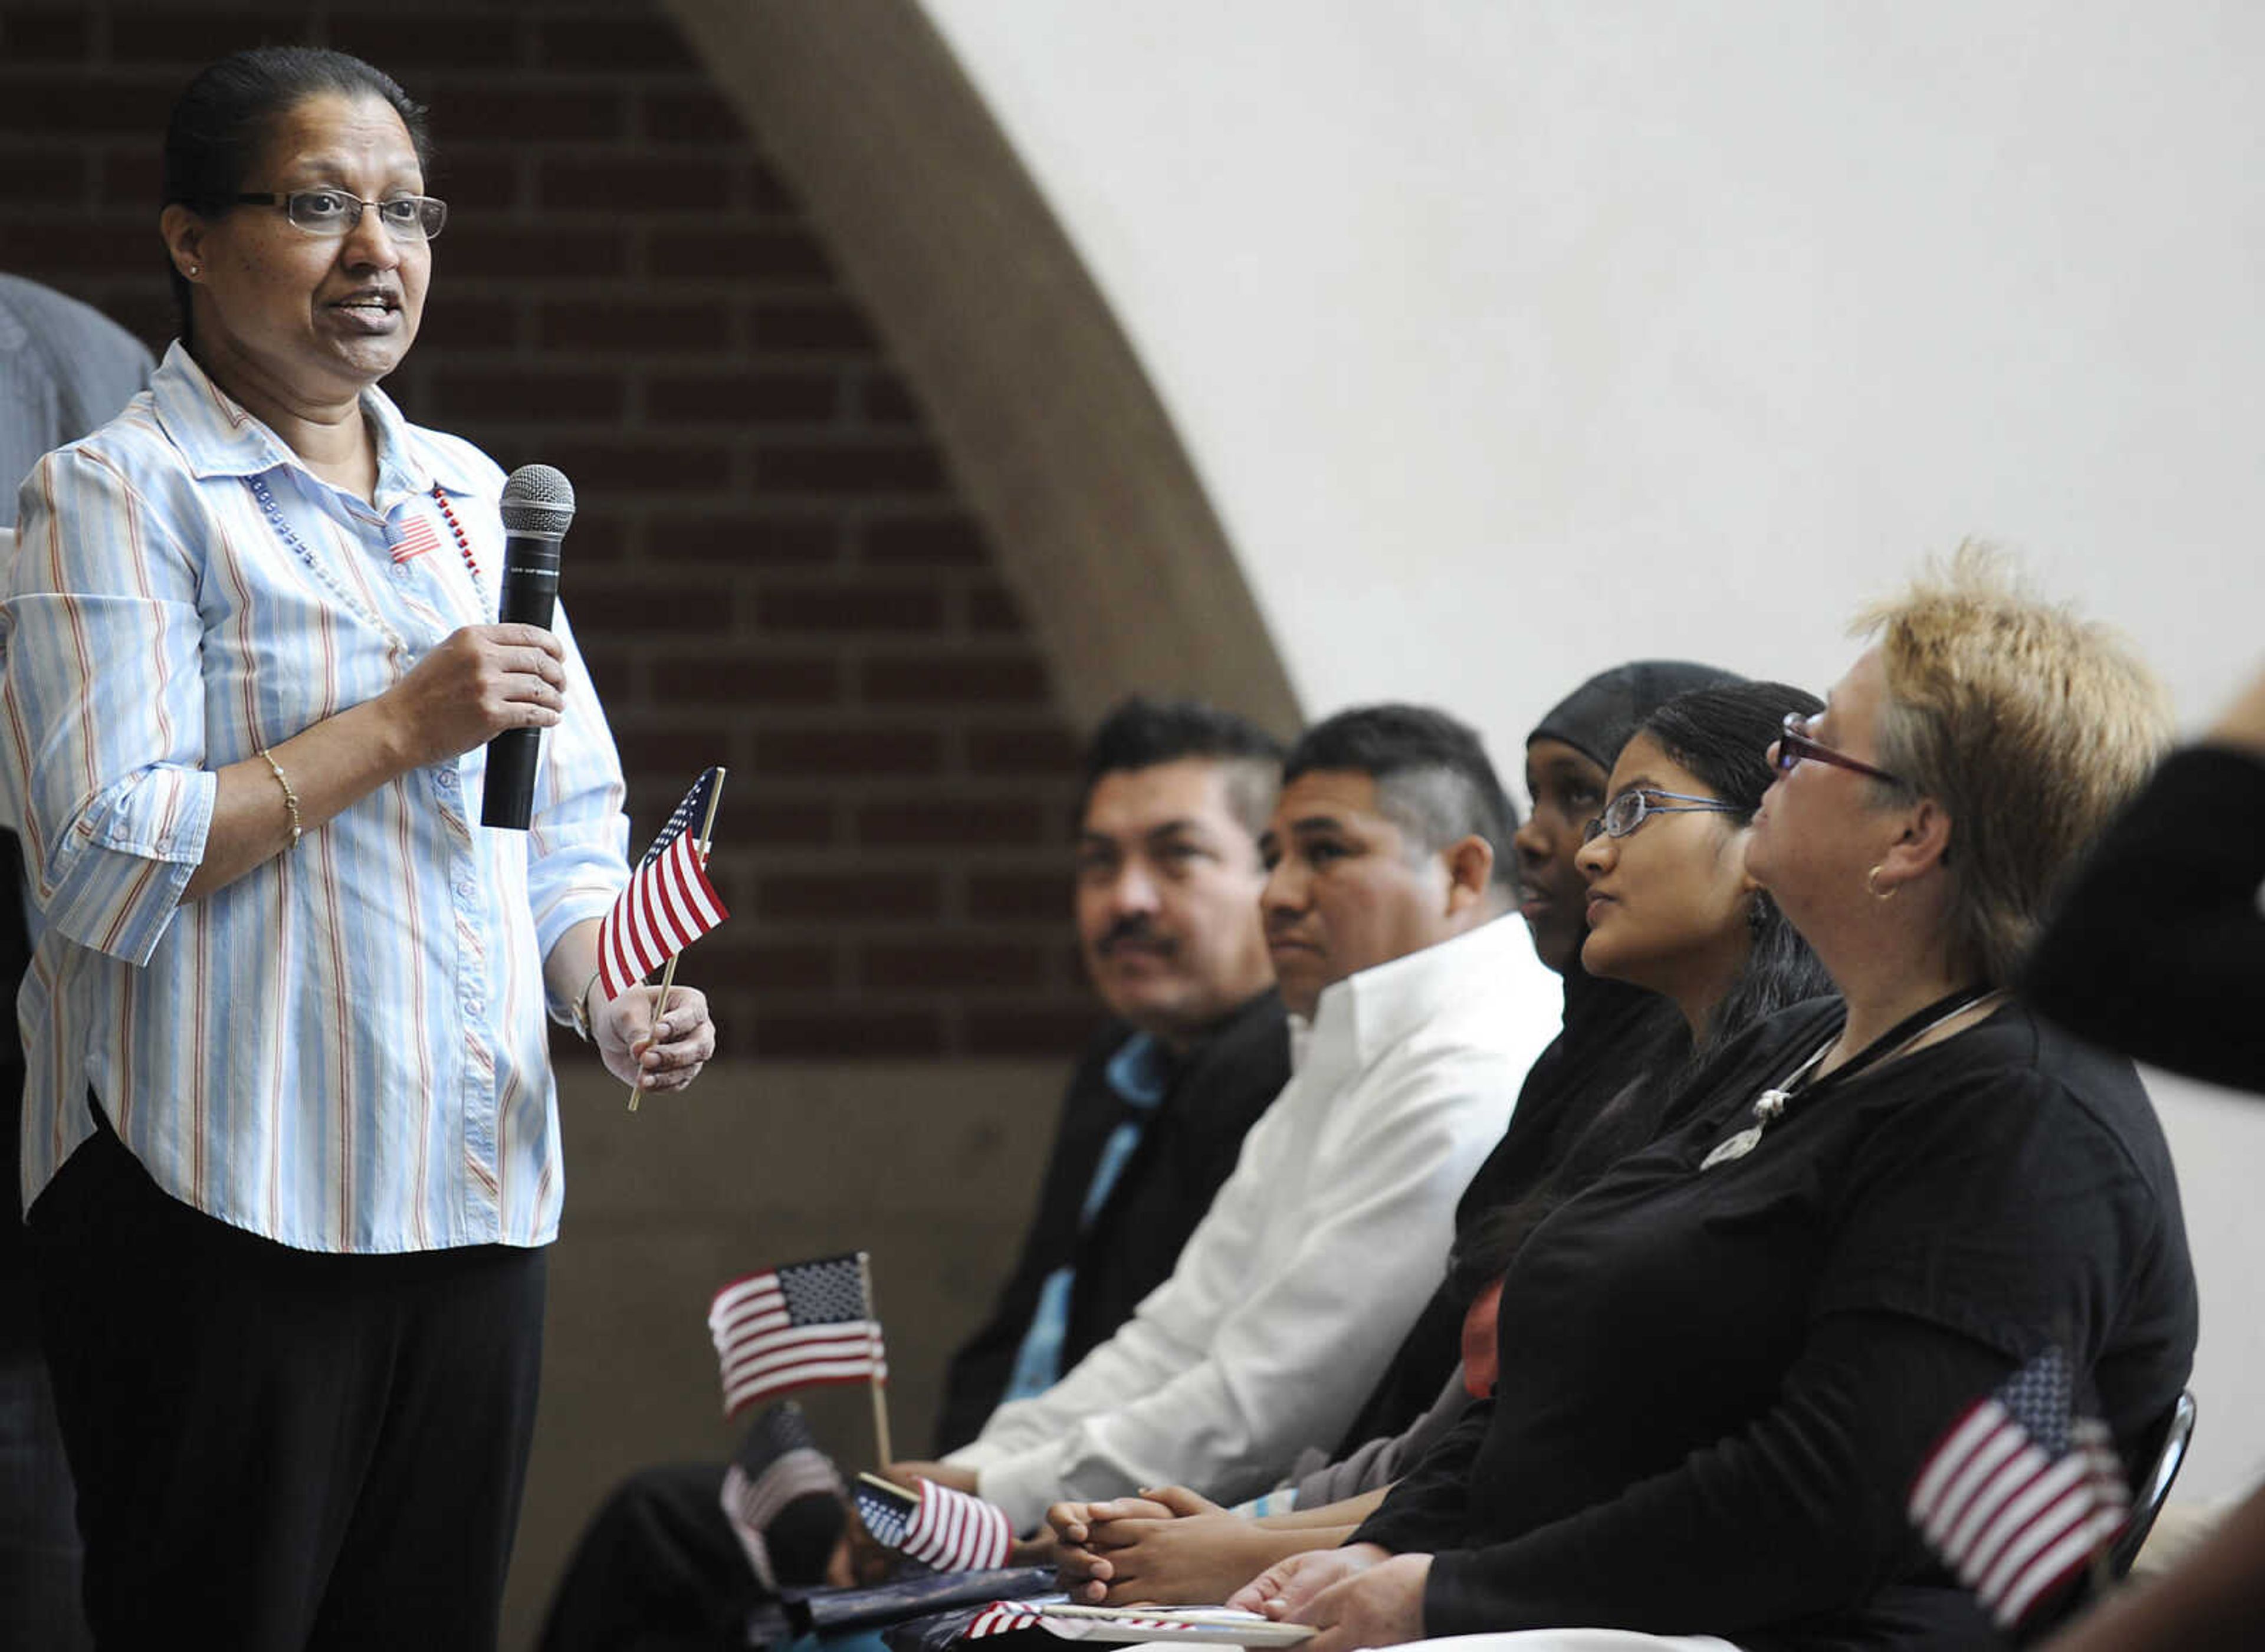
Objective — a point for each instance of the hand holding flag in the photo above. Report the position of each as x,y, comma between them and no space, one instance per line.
669,903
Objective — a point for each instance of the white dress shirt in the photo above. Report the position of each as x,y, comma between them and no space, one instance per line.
1293,1293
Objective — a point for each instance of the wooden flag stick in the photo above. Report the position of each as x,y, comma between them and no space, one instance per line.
873,1378
668,975
659,1008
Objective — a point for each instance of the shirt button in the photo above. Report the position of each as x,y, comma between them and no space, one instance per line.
446,780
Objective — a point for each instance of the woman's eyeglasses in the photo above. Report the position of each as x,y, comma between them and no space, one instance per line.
1631,809
332,211
1794,745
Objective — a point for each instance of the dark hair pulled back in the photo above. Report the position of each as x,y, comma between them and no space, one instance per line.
1721,736
225,116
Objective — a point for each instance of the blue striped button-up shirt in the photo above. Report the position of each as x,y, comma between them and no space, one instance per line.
345,1049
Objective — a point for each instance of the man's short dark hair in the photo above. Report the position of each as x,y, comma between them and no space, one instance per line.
1140,733
1433,779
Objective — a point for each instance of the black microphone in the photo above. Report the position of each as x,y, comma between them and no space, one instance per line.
538,508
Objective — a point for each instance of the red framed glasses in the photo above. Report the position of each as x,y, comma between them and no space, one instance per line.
1794,745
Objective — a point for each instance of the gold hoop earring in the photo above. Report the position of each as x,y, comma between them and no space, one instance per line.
1872,882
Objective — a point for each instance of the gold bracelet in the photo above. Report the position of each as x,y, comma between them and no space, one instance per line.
581,1009
290,797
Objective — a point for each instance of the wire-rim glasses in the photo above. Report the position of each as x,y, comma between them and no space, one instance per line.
333,212
1793,744
1632,808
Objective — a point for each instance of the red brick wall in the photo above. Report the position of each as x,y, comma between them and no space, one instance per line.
769,567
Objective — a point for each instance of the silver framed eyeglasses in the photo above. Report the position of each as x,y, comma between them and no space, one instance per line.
1632,808
333,212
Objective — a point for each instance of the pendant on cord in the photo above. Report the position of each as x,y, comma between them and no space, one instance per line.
1767,1106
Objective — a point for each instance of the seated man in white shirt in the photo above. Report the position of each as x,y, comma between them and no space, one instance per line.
1389,852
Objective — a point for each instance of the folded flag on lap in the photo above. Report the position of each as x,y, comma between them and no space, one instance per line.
2023,1491
999,1617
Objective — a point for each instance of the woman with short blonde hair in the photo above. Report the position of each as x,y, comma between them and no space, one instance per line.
2030,725
1878,1211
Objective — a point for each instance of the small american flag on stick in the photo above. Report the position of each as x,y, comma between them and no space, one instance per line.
669,903
778,1468
947,1529
2023,1491
796,1326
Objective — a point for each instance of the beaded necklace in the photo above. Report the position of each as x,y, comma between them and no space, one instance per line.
463,545
298,547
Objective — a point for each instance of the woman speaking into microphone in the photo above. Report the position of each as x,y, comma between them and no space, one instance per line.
291,1136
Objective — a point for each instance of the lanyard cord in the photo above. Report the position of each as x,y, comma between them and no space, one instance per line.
1770,1105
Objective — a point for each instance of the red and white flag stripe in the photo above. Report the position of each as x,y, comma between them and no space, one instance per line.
668,905
2015,1521
417,537
955,1532
999,1617
761,1351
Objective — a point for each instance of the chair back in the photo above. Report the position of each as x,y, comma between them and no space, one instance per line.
2154,1487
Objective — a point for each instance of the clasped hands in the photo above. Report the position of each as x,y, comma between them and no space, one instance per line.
1174,1548
1356,1596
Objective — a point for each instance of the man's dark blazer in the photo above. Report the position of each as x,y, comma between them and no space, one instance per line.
1188,1149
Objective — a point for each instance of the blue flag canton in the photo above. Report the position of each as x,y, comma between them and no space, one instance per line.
689,814
781,1429
2041,1397
825,1292
885,1518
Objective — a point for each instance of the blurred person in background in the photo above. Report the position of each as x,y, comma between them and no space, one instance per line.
65,368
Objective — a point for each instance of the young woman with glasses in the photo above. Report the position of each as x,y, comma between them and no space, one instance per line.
1874,1212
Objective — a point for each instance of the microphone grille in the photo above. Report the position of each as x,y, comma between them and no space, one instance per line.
537,499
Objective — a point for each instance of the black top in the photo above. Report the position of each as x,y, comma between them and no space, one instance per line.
1188,1148
2159,948
1747,1364
1613,1034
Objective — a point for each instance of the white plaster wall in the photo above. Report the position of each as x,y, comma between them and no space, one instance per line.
1514,338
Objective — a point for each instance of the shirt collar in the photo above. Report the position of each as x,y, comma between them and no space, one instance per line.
1373,1008
1140,1072
219,437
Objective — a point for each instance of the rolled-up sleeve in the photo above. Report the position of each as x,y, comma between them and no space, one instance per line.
578,837
102,699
